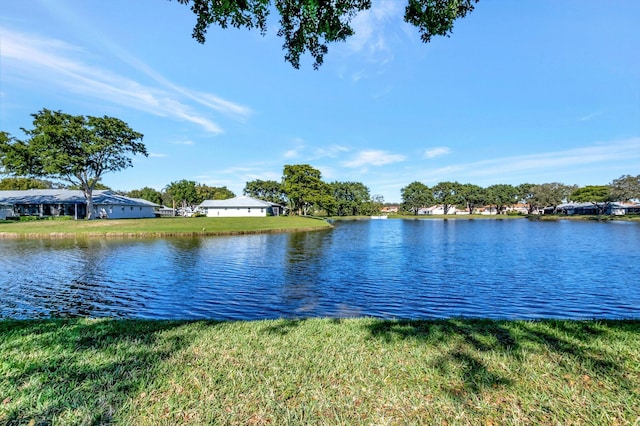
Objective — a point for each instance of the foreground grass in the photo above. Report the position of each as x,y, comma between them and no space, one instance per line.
159,227
356,371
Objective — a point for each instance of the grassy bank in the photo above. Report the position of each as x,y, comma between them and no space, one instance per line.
434,216
158,227
359,371
601,218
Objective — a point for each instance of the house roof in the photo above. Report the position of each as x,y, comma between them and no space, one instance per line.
242,201
578,205
68,196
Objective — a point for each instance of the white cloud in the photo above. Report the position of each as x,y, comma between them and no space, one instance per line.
331,151
374,158
534,167
292,153
369,26
591,116
297,150
185,142
53,62
157,155
437,152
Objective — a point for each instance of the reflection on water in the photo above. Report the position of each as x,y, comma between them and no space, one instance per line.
389,269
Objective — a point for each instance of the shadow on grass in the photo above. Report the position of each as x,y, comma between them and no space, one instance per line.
283,327
79,369
464,345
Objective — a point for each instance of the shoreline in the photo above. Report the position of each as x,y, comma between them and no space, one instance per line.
162,234
213,227
158,227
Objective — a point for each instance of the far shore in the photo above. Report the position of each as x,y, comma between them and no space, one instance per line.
634,218
221,226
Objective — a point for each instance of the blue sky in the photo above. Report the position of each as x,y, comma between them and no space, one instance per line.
523,91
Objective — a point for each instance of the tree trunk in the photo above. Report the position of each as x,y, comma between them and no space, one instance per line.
88,194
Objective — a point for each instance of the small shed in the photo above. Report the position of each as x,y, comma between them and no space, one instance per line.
6,211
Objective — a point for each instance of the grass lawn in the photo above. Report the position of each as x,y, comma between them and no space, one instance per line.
319,371
159,227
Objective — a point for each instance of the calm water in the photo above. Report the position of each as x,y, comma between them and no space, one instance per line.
382,268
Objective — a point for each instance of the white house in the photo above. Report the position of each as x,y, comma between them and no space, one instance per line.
239,207
68,202
438,209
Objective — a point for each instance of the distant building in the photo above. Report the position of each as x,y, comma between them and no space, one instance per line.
68,202
438,209
389,209
616,209
239,207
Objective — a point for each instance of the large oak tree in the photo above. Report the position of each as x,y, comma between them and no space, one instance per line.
304,187
598,195
309,25
415,196
75,149
626,188
267,190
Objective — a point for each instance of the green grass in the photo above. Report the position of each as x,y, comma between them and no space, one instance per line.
601,218
356,371
159,227
436,216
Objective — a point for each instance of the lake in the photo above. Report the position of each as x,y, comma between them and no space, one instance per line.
417,269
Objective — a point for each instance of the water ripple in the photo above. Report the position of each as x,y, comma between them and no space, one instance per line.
386,269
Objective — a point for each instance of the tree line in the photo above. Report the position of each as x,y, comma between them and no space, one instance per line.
535,197
303,192
76,151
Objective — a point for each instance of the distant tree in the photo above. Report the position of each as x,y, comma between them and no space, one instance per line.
501,196
182,193
146,193
472,195
22,183
526,195
415,196
447,194
598,195
308,25
267,190
304,188
374,205
550,195
75,149
205,192
350,197
625,188
99,186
